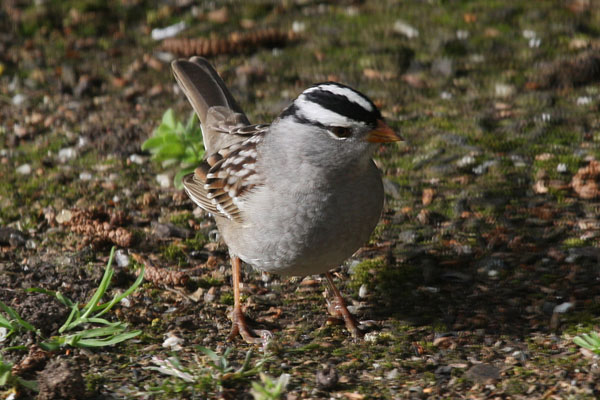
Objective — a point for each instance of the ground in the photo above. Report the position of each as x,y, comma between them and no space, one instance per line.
482,270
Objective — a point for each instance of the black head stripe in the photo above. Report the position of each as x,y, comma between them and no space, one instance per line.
342,105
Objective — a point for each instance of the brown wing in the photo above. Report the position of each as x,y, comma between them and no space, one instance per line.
221,181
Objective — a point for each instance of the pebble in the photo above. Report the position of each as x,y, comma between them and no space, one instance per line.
24,169
563,307
482,169
66,154
136,159
12,236
122,258
363,291
18,99
326,378
405,29
392,375
504,90
64,216
164,180
584,100
172,342
169,31
483,373
466,161
298,26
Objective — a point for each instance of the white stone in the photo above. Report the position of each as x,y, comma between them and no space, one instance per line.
405,29
168,31
24,169
66,154
164,180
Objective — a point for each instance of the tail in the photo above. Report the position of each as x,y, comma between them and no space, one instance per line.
203,86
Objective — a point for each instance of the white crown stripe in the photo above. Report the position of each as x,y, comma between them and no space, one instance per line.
348,93
313,111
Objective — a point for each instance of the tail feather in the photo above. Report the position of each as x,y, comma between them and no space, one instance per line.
203,86
205,90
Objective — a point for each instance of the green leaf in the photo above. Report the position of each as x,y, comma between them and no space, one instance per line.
153,143
17,318
172,150
168,119
109,341
192,122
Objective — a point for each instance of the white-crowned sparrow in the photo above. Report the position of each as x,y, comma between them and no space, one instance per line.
296,197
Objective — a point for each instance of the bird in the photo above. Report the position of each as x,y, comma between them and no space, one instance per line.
295,197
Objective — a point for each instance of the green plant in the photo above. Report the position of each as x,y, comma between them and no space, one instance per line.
8,379
176,143
108,333
589,341
15,324
269,389
213,372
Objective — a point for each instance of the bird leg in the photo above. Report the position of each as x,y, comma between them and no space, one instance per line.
338,307
239,325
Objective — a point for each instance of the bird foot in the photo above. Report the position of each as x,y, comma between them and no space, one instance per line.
240,327
337,308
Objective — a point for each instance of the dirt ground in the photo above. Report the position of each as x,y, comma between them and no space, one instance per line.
483,269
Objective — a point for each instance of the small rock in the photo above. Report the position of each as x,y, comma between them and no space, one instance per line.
24,169
405,29
466,161
443,66
85,176
12,236
482,169
483,373
363,291
169,31
298,26
172,342
136,159
503,90
443,370
163,180
64,216
563,308
164,231
392,375
66,154
122,258
210,295
584,100
18,99
408,236
327,377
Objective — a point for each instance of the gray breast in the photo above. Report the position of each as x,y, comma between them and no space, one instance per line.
303,232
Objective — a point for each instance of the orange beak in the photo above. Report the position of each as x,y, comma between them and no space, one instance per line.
382,134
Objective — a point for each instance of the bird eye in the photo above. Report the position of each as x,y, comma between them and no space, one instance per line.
340,131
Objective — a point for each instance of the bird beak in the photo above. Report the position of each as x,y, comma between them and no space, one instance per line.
382,134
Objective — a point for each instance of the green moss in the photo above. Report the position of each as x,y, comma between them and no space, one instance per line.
197,242
175,254
574,242
226,298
